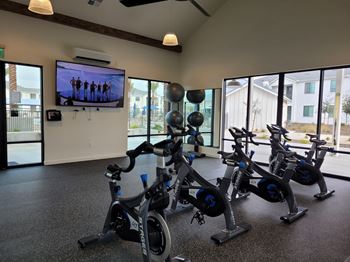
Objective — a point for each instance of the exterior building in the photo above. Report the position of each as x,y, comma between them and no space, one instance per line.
263,104
303,91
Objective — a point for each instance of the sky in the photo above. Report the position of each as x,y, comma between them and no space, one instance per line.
27,76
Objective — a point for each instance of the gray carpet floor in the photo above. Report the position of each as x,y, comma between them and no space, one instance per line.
44,210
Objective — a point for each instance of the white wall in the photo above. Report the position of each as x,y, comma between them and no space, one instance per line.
247,37
37,42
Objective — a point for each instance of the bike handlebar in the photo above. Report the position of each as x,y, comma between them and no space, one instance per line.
276,129
240,133
160,149
250,135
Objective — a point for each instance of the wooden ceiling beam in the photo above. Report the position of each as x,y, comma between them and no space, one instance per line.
21,9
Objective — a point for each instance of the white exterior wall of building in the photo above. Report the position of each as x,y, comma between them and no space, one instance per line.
266,103
236,108
300,99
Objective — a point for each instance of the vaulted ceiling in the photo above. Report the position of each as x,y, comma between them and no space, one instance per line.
152,20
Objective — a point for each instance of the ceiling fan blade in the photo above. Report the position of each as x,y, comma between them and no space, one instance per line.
199,8
95,2
131,3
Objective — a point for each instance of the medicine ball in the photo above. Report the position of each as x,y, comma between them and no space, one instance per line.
174,118
174,92
195,119
195,96
192,140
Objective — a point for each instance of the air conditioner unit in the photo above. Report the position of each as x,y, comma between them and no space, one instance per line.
91,56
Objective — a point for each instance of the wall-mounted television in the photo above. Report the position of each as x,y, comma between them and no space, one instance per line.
89,86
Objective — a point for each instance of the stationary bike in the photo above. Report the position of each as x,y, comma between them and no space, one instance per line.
308,171
240,172
140,218
190,187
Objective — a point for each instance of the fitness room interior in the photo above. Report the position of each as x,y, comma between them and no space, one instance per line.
175,130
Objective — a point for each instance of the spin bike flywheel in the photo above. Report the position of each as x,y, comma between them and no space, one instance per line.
213,204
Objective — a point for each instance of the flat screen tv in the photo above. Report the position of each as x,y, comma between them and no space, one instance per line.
89,86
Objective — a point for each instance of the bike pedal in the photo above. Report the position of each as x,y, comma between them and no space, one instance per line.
199,217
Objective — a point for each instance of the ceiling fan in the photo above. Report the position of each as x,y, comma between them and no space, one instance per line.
95,2
131,3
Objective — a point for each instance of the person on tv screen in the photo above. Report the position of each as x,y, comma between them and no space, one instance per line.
86,86
104,91
92,91
78,84
73,82
109,90
99,86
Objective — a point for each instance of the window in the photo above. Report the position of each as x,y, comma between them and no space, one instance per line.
328,116
310,88
289,113
308,111
207,129
289,91
335,124
235,96
206,109
333,86
147,110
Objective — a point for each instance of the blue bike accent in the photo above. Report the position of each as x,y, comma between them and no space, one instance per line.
118,191
272,190
191,157
144,178
242,165
301,162
210,200
167,183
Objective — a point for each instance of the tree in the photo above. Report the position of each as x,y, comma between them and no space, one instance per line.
154,87
255,111
346,107
12,72
326,109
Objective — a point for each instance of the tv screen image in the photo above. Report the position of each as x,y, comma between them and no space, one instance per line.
89,86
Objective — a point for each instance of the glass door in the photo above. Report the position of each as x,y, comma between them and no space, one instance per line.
21,119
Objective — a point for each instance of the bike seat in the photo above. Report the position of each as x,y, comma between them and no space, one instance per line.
225,155
319,142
